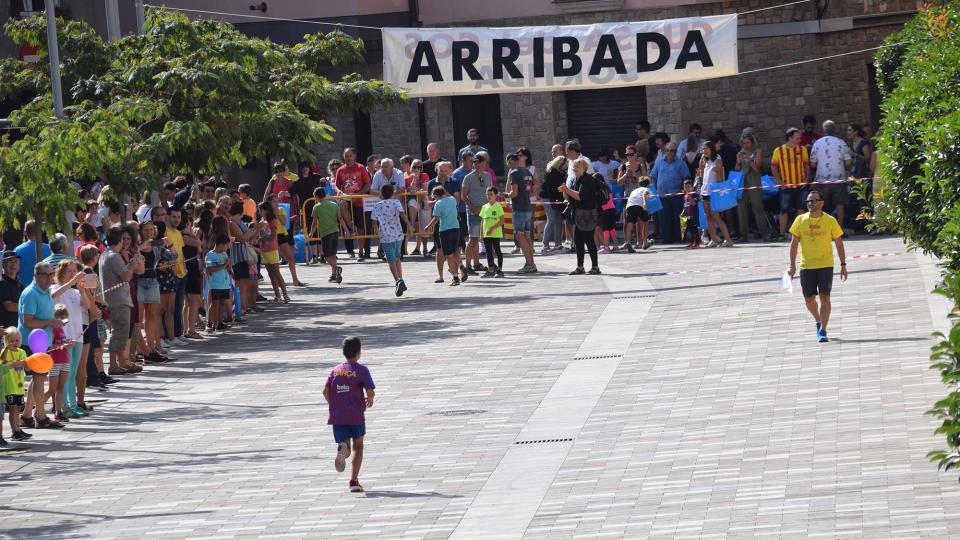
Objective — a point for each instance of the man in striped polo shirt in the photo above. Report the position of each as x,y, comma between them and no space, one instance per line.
791,169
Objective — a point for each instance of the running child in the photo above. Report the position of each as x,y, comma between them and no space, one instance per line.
492,216
344,392
637,211
386,215
445,215
327,223
12,377
218,274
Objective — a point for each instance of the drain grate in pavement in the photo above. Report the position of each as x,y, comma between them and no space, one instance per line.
599,357
635,296
543,441
457,412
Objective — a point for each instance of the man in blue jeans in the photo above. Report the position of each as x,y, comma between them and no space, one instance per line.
668,175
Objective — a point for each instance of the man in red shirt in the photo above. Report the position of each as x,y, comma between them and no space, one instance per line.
353,179
808,136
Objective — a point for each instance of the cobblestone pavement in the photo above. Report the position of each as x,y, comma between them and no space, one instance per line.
646,404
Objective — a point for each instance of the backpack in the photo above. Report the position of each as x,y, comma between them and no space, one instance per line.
603,190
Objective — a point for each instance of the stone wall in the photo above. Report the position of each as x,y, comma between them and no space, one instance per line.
439,119
529,119
396,130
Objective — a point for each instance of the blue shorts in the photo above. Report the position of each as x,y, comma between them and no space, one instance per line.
522,222
391,250
792,199
473,226
346,432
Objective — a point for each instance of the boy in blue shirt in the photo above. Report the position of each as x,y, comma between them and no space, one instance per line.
218,274
445,214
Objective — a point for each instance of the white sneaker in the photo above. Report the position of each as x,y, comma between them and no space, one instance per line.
180,341
165,343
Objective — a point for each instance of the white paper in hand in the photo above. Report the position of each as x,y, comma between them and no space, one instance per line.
786,282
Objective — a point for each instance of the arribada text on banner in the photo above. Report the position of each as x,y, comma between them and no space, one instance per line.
458,61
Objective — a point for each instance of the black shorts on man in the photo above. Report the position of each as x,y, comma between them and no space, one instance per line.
816,281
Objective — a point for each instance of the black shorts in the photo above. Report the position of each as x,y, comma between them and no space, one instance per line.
464,232
816,281
436,236
637,213
91,335
449,241
608,219
194,284
220,294
15,401
328,245
241,270
285,239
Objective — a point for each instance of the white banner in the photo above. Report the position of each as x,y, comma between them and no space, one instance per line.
458,61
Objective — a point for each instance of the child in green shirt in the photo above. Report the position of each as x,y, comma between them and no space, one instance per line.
492,216
12,360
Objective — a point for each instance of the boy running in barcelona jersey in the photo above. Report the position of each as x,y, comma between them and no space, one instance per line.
492,216
344,392
387,215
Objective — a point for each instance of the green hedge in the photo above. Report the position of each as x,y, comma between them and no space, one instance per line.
919,154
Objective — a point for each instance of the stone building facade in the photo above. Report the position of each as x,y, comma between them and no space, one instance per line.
770,101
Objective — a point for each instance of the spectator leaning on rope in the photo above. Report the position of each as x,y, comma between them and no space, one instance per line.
36,311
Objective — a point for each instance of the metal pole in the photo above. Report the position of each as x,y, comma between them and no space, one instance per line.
141,16
53,53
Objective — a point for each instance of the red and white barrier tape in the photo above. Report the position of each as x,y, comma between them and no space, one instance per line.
745,188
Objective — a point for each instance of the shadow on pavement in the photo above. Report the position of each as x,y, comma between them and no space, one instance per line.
408,494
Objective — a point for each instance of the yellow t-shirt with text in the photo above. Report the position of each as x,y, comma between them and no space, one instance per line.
816,240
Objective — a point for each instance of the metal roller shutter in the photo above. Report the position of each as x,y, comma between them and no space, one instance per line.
605,118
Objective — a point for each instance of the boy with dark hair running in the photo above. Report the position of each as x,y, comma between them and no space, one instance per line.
327,223
344,392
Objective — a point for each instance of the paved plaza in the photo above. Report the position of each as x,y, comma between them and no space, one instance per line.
644,403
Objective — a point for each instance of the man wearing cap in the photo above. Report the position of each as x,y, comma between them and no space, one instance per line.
10,288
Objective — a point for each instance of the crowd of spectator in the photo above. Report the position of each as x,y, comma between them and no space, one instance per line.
184,265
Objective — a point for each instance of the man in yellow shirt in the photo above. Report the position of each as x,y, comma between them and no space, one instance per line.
812,233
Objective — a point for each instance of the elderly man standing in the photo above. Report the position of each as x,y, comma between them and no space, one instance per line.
35,309
433,157
668,175
831,158
60,246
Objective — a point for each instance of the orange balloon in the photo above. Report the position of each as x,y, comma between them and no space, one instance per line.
40,363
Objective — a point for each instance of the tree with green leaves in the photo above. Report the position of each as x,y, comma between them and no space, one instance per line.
186,96
918,72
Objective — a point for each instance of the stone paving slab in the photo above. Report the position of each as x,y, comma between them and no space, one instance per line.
722,419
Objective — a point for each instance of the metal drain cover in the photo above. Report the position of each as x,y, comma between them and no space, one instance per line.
543,441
